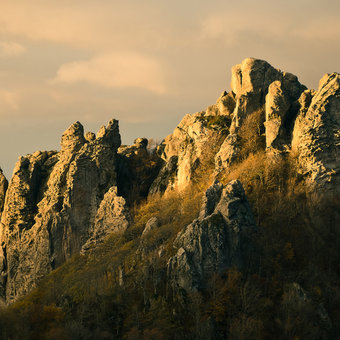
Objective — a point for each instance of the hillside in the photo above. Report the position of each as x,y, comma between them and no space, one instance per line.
227,229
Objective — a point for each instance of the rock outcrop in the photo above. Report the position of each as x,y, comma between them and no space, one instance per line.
220,238
194,143
112,217
214,134
251,81
224,106
151,224
316,134
297,120
55,203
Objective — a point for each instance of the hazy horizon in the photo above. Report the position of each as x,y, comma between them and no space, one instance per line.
145,64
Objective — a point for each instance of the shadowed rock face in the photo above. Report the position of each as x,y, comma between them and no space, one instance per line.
3,189
218,239
137,170
51,207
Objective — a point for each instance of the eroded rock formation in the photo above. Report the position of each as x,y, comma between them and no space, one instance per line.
194,143
316,134
112,216
291,118
218,239
51,208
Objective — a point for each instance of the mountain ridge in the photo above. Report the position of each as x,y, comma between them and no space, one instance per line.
269,140
73,182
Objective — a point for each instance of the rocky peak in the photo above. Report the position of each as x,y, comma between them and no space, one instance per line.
290,118
90,136
252,76
109,135
73,138
251,81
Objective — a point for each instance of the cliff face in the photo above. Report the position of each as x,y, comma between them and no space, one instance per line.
52,205
194,143
316,134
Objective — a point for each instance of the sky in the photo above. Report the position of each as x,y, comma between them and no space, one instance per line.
146,63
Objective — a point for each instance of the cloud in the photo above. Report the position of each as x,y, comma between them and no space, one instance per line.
81,24
116,70
321,29
230,26
8,100
10,49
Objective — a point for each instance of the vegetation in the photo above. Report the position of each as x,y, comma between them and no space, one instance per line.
217,122
119,290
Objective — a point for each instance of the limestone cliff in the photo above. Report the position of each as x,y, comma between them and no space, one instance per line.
290,119
54,205
218,239
194,143
316,134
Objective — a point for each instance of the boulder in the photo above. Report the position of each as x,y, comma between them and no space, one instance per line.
225,105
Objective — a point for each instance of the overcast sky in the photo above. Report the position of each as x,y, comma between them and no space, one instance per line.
146,63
